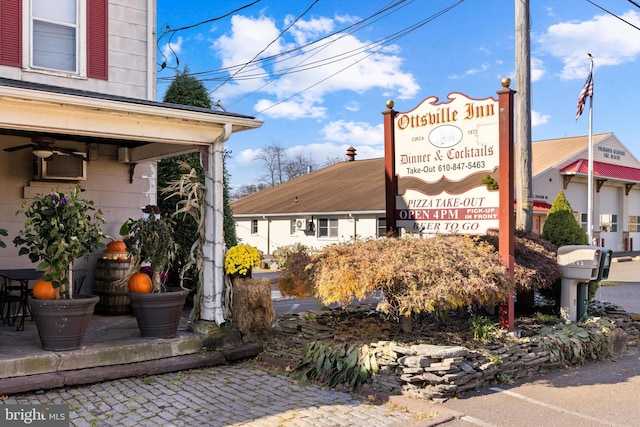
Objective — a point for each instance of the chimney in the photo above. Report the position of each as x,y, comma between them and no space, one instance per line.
351,154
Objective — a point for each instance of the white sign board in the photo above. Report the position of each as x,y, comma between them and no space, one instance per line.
447,142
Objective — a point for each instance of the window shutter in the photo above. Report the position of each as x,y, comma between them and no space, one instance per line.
97,39
11,32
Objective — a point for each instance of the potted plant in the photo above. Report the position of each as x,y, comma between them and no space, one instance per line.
157,307
60,227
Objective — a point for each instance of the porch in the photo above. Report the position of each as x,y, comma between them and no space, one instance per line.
113,349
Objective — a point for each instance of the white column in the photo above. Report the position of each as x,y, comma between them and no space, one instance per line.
213,248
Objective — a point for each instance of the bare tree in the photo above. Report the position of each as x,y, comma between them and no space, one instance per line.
248,189
298,166
331,160
273,156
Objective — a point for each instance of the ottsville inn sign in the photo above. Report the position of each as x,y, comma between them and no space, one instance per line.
438,154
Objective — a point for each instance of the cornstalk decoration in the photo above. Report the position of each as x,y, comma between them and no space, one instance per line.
191,192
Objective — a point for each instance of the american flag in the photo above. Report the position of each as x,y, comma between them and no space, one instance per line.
587,90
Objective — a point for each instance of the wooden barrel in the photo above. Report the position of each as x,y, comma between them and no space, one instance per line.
108,286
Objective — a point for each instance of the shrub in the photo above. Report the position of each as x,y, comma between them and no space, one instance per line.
441,272
535,265
293,261
561,227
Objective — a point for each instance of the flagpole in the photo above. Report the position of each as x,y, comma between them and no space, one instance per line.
590,164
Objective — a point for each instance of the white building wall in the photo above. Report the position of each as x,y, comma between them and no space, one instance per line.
277,232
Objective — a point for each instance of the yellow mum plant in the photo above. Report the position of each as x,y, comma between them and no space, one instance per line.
240,259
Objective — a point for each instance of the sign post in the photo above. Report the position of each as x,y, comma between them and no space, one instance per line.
507,219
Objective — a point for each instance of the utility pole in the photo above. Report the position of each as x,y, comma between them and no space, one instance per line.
524,195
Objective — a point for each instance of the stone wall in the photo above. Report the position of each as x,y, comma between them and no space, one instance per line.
439,372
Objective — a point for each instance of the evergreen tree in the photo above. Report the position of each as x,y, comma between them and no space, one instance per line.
561,227
187,90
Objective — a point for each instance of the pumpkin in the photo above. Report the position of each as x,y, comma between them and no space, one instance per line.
140,283
44,290
117,246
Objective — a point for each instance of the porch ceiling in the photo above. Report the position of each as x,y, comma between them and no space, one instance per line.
151,129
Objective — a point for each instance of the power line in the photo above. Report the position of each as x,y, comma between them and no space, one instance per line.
174,31
614,15
297,68
404,33
300,49
267,47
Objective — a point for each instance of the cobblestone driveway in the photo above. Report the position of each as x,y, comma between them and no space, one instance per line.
236,395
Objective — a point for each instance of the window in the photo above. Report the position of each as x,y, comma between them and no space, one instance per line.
608,222
382,226
583,222
254,226
634,223
69,36
54,35
327,227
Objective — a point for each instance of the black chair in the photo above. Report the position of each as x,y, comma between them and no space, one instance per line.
13,303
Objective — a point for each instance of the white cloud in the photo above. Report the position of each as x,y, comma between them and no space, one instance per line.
471,71
292,109
610,40
537,69
354,133
338,63
538,119
352,106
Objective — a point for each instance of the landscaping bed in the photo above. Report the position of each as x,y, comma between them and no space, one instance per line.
442,356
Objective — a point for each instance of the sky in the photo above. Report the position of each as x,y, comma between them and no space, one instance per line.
319,72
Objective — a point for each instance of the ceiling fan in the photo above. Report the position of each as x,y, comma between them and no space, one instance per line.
42,147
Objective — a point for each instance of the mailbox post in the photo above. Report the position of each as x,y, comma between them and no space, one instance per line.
579,265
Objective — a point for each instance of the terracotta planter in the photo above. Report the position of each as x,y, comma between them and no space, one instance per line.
158,314
63,324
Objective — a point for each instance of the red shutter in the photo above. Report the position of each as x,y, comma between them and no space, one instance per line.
97,39
11,32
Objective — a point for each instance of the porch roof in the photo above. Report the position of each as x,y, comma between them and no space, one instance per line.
150,129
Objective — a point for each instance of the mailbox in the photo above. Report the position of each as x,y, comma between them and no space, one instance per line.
579,261
605,264
579,264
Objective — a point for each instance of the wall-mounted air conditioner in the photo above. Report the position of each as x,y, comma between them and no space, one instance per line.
301,224
66,168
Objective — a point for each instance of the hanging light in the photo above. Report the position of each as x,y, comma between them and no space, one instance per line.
42,153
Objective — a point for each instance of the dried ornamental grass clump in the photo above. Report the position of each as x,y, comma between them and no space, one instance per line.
439,273
294,280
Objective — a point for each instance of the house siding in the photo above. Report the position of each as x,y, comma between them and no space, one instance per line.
117,65
274,233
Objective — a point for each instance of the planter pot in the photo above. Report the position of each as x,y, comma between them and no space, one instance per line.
158,314
62,324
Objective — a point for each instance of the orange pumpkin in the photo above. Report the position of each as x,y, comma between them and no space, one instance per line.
44,290
117,246
140,283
